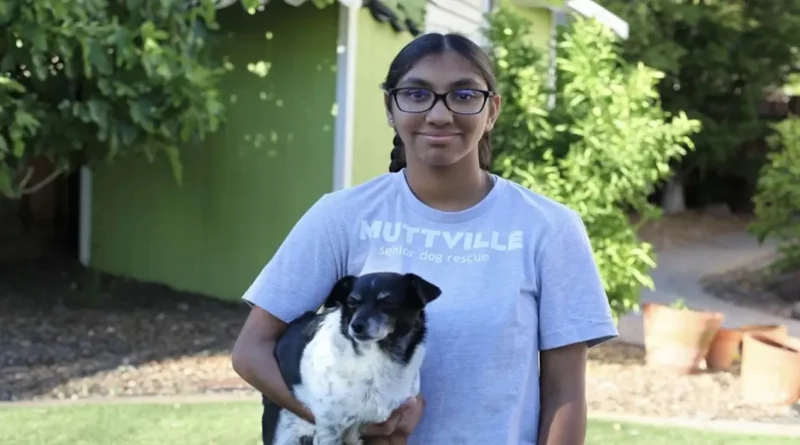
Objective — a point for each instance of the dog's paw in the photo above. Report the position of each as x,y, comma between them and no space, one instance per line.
352,437
328,437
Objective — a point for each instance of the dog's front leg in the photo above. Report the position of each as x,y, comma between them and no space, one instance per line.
328,435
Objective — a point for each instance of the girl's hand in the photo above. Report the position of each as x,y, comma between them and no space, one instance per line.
400,424
390,440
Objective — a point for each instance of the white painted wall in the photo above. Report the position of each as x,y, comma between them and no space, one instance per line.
465,17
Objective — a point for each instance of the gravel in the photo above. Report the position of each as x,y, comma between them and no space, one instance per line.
69,334
619,381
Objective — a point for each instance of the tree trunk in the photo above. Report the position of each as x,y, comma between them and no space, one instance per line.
674,198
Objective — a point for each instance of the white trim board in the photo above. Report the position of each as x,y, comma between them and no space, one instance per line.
346,48
586,8
553,51
85,217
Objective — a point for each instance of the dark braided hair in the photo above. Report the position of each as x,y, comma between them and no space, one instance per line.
426,45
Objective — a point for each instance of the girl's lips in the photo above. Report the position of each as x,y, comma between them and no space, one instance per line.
438,138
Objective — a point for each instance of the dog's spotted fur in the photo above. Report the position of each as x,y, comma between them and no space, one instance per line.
347,382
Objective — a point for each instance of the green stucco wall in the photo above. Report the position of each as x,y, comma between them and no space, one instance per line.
541,21
246,185
378,43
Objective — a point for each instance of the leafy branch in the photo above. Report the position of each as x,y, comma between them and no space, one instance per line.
88,82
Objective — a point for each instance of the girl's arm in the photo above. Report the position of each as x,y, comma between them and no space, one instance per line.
562,419
252,358
574,315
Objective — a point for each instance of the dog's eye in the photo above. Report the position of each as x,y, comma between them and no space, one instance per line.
353,300
389,304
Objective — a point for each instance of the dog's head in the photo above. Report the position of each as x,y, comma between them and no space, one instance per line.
376,305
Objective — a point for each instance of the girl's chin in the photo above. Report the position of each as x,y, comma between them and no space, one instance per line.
440,156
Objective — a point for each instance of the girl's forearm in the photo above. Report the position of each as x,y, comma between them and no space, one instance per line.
391,440
256,365
562,420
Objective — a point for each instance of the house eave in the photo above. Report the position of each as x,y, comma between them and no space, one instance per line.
586,8
225,3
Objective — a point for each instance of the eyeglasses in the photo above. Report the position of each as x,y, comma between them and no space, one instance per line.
460,101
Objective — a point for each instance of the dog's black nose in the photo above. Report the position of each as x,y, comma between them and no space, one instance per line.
358,327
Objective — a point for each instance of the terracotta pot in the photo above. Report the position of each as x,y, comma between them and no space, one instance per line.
678,338
770,369
781,330
726,348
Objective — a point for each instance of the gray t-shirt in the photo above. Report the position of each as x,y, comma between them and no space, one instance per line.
517,276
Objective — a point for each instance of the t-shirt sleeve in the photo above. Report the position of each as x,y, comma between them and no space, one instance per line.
573,306
304,269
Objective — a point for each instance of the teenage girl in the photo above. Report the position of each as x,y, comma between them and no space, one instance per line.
522,297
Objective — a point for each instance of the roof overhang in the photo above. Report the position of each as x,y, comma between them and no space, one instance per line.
225,3
586,8
403,16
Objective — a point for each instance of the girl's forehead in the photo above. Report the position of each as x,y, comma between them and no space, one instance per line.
444,71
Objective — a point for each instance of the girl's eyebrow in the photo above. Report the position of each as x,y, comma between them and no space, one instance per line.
460,83
415,81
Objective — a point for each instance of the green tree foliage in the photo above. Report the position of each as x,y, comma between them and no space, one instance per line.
719,57
777,199
599,147
90,80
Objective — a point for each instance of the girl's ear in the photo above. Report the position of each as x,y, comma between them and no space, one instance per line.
495,102
388,108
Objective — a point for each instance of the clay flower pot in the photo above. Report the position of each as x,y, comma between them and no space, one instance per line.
770,369
726,347
678,338
780,330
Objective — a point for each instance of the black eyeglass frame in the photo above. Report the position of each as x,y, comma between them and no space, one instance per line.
443,97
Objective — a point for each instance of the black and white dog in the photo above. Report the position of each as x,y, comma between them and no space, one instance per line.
354,361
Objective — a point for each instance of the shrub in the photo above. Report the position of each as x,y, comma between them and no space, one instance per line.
777,197
600,147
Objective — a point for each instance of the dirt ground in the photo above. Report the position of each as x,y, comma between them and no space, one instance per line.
690,226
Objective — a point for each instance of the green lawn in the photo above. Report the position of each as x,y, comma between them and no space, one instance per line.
238,423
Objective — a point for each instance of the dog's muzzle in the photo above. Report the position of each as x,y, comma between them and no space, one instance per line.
366,329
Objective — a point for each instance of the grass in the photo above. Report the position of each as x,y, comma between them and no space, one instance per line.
608,433
239,423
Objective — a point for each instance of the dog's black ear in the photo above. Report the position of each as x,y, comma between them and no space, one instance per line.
341,290
424,289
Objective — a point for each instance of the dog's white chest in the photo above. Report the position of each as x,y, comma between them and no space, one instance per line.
365,386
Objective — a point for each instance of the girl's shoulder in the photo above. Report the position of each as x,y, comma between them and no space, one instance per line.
354,196
530,205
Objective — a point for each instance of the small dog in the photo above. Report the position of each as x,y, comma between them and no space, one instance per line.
355,361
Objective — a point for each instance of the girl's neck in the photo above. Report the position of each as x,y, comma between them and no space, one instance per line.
449,189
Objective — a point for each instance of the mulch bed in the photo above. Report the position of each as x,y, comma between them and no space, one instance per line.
67,333
754,286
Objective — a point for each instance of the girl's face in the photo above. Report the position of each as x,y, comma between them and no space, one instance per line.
441,137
